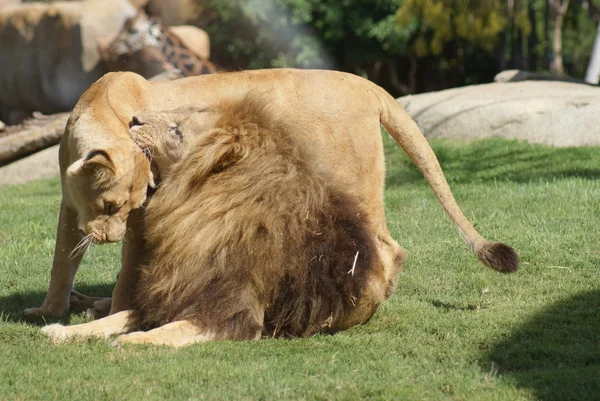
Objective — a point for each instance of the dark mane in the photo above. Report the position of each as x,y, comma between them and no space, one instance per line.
246,235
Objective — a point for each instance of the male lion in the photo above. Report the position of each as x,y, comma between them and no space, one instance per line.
336,118
270,247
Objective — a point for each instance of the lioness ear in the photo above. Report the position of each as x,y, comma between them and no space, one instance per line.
95,158
99,158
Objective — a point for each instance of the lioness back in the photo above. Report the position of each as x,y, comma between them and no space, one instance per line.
248,238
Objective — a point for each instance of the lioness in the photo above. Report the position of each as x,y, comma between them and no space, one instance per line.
270,247
336,118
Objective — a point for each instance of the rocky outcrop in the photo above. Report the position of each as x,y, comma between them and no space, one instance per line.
546,112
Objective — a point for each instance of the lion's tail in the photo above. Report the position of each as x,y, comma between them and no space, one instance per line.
405,131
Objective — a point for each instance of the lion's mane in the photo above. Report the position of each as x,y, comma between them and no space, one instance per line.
247,236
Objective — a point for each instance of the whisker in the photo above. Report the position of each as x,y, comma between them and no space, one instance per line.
81,247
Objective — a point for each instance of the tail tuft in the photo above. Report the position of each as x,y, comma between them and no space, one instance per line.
498,256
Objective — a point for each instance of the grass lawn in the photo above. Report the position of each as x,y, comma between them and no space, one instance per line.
453,330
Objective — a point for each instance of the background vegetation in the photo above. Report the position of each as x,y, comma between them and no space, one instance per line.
453,330
407,46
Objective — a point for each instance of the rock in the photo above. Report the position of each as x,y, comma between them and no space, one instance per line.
522,75
545,112
42,164
2,126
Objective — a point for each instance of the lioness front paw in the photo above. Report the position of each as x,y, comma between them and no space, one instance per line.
44,312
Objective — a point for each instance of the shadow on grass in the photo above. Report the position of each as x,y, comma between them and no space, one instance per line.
557,353
495,160
12,306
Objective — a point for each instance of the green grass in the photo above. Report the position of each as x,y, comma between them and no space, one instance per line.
453,330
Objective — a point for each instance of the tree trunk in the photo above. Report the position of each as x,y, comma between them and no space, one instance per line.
546,35
32,136
532,40
593,71
559,9
501,50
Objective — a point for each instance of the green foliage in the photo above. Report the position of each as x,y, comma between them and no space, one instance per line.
307,33
578,38
423,44
441,22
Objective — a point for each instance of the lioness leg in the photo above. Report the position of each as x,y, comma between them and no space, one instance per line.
119,323
133,253
64,266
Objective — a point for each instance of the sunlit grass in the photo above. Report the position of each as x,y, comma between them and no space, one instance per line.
453,330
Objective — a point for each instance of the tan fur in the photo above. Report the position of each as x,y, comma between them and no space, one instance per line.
336,119
271,249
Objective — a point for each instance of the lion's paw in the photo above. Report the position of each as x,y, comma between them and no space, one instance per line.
80,303
99,310
131,338
57,333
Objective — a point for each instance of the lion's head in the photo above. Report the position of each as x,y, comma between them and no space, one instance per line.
162,136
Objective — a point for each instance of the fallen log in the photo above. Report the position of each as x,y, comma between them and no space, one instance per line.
35,134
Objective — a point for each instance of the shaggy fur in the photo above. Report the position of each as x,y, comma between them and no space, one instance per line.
248,238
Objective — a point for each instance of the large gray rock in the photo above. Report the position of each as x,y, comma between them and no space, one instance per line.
546,112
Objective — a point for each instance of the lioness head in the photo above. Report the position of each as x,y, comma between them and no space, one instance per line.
104,186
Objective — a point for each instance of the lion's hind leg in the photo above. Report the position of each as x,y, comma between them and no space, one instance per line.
119,323
94,307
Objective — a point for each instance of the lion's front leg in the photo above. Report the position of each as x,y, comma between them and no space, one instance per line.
119,323
133,256
67,257
176,334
